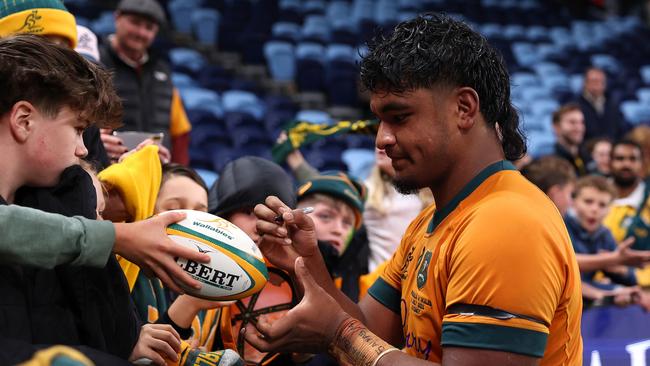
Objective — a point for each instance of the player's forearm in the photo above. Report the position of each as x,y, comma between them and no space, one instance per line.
183,311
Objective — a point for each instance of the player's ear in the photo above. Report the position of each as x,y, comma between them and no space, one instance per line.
467,102
21,120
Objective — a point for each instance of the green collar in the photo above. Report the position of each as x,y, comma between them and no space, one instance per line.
442,213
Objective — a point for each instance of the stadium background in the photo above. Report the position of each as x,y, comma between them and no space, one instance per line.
244,68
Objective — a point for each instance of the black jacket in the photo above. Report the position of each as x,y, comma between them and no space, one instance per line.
87,308
608,124
146,92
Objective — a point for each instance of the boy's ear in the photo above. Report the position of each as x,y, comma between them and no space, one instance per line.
21,121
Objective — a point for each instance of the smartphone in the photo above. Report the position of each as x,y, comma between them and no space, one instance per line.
132,139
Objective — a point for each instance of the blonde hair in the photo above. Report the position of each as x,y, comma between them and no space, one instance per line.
379,186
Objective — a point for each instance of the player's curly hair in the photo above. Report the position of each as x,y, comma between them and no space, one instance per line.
433,49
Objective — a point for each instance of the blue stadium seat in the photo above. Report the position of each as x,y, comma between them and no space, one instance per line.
315,29
575,83
242,101
209,177
180,12
645,74
524,79
636,112
337,51
186,58
104,24
310,70
183,80
235,119
205,25
285,31
314,7
544,107
194,97
338,10
541,144
643,94
606,62
314,116
280,60
359,162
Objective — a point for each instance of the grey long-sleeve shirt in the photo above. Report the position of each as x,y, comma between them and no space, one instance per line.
36,238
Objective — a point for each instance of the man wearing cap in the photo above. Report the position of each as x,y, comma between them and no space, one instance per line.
143,80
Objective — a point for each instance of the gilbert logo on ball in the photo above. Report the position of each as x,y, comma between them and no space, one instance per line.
236,269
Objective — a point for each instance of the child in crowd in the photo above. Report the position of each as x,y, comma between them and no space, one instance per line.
592,197
41,131
139,187
244,183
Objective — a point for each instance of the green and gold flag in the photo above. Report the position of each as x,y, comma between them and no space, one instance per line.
301,133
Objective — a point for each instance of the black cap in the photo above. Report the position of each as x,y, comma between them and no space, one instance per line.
247,181
147,8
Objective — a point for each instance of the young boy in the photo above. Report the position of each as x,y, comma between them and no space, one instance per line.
592,197
338,203
51,95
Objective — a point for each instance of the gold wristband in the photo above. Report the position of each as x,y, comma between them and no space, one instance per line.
355,345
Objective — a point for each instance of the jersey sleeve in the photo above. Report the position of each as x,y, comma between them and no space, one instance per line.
387,288
179,123
507,278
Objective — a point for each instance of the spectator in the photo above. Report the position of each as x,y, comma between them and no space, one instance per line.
42,131
244,183
555,177
599,150
601,114
590,238
569,128
641,135
387,212
143,79
51,19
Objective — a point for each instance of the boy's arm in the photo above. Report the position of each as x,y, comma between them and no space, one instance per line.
37,238
33,237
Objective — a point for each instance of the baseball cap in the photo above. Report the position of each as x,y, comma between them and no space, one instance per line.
247,181
148,8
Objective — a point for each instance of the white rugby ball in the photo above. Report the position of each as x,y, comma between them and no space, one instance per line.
236,269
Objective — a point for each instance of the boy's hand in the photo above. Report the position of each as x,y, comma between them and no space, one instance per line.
157,342
283,242
146,244
631,257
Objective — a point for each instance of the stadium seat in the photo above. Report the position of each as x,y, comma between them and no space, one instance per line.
186,58
183,80
205,25
635,112
314,116
359,162
310,70
643,95
280,60
194,97
645,74
242,101
104,24
209,177
285,31
180,12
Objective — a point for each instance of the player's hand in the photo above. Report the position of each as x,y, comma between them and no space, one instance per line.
146,244
631,257
308,328
283,242
114,145
157,342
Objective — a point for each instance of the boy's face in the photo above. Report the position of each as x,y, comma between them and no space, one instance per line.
181,193
591,206
333,224
52,144
245,220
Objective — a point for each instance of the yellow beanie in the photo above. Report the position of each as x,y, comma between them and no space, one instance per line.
137,178
40,17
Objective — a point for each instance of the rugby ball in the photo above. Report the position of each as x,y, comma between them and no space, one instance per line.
236,269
